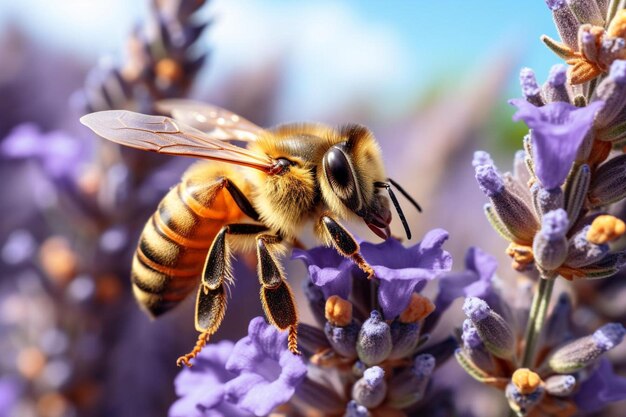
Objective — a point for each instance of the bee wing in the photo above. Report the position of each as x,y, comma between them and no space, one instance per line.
164,135
215,121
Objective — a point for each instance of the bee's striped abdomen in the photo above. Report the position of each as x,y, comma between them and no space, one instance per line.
176,239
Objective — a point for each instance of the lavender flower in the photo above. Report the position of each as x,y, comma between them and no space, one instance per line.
557,131
268,373
251,377
401,270
565,376
378,358
192,385
327,269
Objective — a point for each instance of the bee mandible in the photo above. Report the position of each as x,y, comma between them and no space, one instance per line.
259,198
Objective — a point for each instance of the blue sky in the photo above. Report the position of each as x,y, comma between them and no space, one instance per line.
388,51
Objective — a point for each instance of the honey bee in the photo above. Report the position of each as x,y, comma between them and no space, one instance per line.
259,199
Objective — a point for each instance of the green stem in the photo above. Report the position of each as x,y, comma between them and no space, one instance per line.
538,311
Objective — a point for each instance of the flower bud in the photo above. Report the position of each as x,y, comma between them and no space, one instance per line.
586,11
550,244
404,337
565,21
489,180
355,410
514,213
609,182
374,341
408,387
342,338
371,389
555,89
530,88
481,158
582,252
475,349
612,90
520,169
582,352
546,200
576,191
521,403
494,331
560,385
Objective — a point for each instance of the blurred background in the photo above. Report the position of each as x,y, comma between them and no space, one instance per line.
431,79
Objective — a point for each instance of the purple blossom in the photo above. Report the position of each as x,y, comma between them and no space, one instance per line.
558,130
601,388
57,152
474,281
201,387
267,372
327,269
402,271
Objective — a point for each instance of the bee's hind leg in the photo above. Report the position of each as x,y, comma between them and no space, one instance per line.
344,243
276,295
216,274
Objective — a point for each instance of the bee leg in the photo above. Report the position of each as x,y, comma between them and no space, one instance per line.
276,296
211,298
345,244
241,200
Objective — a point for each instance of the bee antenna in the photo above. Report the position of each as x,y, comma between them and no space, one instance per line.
405,194
396,204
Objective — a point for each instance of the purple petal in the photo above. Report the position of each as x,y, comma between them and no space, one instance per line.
431,254
191,383
328,270
394,297
475,281
558,130
402,270
601,388
268,372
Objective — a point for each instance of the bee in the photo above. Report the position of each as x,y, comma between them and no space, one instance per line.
259,198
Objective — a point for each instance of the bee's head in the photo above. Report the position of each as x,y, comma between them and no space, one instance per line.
354,176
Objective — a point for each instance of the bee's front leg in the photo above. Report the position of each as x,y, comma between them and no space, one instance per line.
276,295
344,243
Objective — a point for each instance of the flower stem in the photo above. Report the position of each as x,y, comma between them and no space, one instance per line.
538,311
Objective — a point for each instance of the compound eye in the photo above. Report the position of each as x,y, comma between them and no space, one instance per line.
338,169
342,178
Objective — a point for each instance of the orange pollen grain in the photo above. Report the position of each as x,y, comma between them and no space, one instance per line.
520,253
338,311
605,228
418,309
526,380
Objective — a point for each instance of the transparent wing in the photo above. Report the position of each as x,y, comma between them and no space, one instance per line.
216,122
164,135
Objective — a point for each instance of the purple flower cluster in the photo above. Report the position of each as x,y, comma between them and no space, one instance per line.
571,375
372,344
251,377
552,207
554,211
